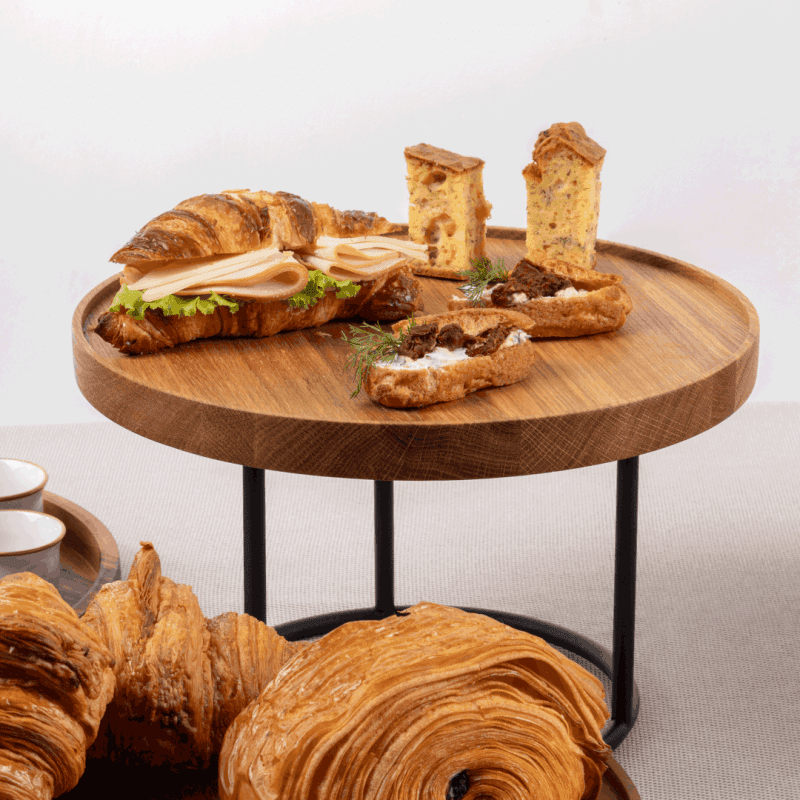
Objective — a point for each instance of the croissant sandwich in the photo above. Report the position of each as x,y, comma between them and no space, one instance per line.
559,299
442,357
432,703
252,264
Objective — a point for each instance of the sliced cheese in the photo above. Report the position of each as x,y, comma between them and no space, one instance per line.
360,257
202,269
277,277
343,272
369,243
264,290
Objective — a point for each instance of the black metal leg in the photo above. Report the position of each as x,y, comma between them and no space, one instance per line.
255,552
617,666
384,548
623,710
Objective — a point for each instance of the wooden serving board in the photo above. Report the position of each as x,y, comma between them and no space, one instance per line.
103,779
685,360
89,554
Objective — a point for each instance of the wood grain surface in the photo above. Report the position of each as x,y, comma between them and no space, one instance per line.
685,360
103,779
89,553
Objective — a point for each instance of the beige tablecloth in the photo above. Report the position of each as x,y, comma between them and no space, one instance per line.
718,586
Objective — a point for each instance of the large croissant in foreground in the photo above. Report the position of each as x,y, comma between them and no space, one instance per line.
433,703
240,221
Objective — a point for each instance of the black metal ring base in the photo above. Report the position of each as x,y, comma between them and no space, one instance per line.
617,666
555,635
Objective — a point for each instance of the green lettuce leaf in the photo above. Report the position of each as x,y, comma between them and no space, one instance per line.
172,304
318,282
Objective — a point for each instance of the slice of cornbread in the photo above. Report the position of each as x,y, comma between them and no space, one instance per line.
447,209
563,184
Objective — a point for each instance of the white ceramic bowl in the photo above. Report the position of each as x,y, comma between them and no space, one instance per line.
30,542
21,484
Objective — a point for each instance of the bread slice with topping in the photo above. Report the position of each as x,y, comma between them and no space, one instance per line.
447,209
559,299
563,188
447,356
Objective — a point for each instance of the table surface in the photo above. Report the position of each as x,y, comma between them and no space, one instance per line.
685,359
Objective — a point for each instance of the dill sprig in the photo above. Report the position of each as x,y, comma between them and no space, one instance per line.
483,273
370,344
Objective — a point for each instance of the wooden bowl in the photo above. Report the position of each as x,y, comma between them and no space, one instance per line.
89,554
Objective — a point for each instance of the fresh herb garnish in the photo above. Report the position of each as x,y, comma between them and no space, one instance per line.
483,273
371,344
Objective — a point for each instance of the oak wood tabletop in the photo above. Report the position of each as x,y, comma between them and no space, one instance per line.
685,359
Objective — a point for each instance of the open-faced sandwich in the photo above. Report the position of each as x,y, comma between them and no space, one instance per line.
441,357
251,264
558,298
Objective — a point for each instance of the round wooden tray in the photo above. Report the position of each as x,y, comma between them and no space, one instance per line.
685,360
89,554
160,784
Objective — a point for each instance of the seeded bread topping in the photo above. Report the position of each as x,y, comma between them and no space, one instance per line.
447,208
563,189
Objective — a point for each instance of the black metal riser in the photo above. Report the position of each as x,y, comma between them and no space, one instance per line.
617,665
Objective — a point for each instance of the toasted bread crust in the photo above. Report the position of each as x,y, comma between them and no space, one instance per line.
240,221
410,388
605,308
406,388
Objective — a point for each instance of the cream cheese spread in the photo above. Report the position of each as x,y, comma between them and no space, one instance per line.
521,297
440,357
570,291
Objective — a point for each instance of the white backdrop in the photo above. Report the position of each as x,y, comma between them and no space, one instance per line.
113,113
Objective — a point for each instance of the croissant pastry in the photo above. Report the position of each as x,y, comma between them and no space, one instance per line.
56,679
433,703
392,296
240,221
181,679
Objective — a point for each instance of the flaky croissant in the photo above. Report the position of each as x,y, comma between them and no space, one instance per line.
56,679
432,703
181,679
240,221
390,297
